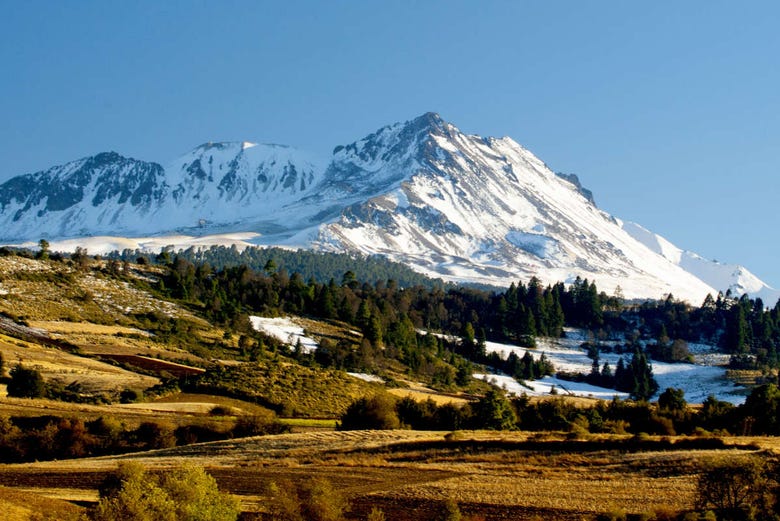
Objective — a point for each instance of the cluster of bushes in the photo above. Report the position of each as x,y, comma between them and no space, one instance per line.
760,414
382,411
316,499
729,488
52,437
188,494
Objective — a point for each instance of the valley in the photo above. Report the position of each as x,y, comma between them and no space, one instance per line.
249,375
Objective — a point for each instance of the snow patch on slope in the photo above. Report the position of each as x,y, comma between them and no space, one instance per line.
697,380
286,330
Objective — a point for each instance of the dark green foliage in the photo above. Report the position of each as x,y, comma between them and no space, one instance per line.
52,437
383,308
26,383
493,411
637,377
376,412
525,368
310,265
761,411
672,399
737,490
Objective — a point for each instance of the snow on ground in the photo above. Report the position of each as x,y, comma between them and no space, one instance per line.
367,377
698,380
285,330
545,387
102,245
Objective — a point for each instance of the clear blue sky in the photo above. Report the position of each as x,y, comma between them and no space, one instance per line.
669,111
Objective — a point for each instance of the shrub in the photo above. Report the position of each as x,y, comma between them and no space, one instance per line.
733,488
376,515
450,511
315,500
612,515
26,383
187,494
155,436
377,412
197,497
321,502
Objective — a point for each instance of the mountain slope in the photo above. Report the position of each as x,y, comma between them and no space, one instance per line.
461,207
217,183
722,276
485,209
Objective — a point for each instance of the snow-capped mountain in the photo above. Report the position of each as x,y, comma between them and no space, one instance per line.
726,277
457,206
217,183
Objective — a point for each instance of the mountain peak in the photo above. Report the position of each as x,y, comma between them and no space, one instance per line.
428,120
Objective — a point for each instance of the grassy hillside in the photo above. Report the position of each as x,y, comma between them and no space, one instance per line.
104,327
289,389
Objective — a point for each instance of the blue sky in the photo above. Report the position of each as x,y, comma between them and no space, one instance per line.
669,111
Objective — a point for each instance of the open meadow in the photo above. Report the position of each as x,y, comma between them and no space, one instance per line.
409,474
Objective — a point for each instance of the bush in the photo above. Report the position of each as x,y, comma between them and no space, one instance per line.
155,436
449,511
26,383
733,488
187,494
377,412
315,500
493,411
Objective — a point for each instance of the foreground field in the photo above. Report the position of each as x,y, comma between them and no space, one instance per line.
410,474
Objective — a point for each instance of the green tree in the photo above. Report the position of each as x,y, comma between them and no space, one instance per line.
270,267
197,496
672,400
376,412
735,338
187,494
134,496
25,383
43,251
761,410
493,411
735,488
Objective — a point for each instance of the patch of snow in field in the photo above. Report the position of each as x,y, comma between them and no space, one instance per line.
698,380
285,330
367,377
544,387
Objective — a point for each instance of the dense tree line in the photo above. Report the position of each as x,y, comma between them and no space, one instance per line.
319,266
759,415
52,437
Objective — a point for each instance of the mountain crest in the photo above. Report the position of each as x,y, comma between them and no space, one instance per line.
461,207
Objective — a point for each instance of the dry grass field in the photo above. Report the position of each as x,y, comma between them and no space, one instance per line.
409,474
55,364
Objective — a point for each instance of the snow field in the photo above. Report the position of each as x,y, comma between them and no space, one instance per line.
285,330
698,380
